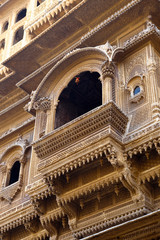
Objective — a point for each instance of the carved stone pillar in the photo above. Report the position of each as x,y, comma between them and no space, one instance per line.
43,112
21,171
32,6
3,171
108,70
51,117
153,88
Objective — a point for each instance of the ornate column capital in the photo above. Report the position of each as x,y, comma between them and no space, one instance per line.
43,104
108,69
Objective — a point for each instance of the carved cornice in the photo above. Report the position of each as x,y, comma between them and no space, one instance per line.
51,14
149,30
103,116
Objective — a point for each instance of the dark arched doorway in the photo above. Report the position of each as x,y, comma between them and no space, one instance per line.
83,93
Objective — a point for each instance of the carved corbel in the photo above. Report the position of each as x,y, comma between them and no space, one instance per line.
37,207
130,178
31,227
71,211
43,104
51,228
54,186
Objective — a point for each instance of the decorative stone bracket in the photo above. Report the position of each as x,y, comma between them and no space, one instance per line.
130,179
43,104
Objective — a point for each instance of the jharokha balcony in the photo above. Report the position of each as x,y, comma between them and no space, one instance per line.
102,124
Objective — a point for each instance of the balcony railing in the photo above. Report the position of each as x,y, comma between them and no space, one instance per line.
108,115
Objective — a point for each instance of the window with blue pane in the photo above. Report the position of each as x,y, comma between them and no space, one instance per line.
136,90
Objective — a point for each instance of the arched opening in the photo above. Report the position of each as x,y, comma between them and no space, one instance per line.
14,175
18,35
5,26
21,14
83,93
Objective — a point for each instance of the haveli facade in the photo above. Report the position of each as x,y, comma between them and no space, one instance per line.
80,119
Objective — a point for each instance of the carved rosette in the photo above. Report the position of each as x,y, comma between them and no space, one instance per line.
108,69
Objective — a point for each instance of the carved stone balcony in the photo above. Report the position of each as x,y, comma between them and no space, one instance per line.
107,119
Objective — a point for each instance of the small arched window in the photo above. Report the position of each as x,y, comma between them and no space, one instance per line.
5,26
136,90
18,35
14,174
21,14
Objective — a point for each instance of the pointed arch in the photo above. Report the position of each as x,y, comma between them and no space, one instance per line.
77,61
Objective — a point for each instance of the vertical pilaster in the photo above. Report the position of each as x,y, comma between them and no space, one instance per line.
32,6
153,88
108,70
51,114
37,125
